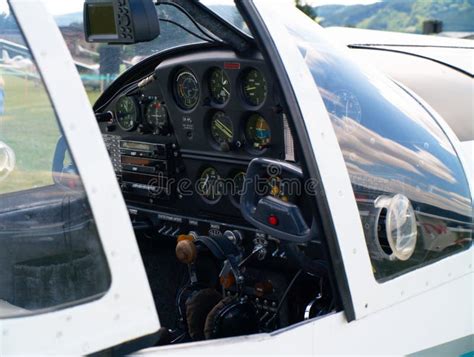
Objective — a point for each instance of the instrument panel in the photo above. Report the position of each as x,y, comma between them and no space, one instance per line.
224,105
204,117
181,142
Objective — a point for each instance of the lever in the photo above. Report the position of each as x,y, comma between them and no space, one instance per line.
223,249
186,250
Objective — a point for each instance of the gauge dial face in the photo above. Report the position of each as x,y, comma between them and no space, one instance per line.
156,115
238,186
222,130
219,85
187,90
126,113
258,132
209,185
254,87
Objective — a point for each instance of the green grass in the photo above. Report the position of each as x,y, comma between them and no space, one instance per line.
29,127
93,95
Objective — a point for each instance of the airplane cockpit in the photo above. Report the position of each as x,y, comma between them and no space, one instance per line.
201,143
218,160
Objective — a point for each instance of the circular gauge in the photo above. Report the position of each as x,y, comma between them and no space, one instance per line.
126,113
219,85
254,87
186,90
238,182
209,185
346,106
156,115
222,130
258,132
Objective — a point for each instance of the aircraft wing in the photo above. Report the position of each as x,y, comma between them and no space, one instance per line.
9,69
440,70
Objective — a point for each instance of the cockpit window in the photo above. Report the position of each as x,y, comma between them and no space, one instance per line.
100,64
411,189
227,10
50,252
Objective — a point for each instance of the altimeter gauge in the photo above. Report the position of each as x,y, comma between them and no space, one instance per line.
254,86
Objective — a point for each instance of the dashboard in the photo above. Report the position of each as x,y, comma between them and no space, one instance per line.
181,140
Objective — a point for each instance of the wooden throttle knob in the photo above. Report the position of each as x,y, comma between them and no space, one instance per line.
186,251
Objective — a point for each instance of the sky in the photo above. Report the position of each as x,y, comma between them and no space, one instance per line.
59,7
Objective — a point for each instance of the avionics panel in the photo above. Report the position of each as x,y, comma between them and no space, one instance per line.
200,117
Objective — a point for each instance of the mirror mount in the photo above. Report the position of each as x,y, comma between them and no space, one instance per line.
120,21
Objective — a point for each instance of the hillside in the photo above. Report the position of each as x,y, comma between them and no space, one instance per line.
401,15
68,19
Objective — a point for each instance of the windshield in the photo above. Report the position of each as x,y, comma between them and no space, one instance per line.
100,64
226,10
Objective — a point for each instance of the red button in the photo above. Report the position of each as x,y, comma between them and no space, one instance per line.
273,220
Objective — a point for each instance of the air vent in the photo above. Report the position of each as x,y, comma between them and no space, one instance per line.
396,233
382,232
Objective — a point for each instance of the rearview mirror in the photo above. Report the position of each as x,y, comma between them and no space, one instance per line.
120,21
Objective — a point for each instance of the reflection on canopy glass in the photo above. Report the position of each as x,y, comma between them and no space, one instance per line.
391,146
